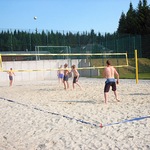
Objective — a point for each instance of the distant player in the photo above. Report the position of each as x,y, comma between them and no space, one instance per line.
60,74
66,77
75,76
11,73
109,73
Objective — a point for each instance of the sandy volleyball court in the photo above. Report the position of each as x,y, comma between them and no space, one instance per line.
43,116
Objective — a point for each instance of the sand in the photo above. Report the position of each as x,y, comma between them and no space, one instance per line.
43,116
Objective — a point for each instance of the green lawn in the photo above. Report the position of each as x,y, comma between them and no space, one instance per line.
144,76
128,72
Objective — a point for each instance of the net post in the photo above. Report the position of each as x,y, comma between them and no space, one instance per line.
127,59
0,62
35,52
136,66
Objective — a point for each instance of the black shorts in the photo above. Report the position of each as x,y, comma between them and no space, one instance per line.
107,86
65,78
11,78
75,80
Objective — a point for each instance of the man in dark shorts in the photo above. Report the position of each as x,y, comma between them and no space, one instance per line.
11,73
75,76
108,83
66,77
109,73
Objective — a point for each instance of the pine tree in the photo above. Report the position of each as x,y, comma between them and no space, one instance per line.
131,20
122,27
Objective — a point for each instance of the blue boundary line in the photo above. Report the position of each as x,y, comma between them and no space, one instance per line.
56,114
78,120
125,121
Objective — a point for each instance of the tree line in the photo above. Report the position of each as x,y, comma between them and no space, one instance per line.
133,28
135,21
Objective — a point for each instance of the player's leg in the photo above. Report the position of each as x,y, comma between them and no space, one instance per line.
106,90
115,91
78,84
106,97
67,85
116,96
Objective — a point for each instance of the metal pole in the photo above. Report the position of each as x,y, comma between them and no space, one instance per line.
136,66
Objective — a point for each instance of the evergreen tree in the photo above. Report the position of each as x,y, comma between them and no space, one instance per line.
122,27
131,21
135,21
144,18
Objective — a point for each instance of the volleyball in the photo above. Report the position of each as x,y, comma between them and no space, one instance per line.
35,18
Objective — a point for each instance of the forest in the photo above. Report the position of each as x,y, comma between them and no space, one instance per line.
133,32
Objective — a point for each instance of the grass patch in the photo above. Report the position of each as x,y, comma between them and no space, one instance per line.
144,76
126,72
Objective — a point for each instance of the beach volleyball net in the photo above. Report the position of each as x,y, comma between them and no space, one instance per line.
47,64
85,62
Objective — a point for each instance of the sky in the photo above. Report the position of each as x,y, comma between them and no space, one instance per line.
64,15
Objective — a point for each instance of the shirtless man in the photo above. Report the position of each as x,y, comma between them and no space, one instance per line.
11,73
66,77
109,73
75,76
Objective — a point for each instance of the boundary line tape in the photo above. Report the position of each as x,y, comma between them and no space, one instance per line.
78,120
